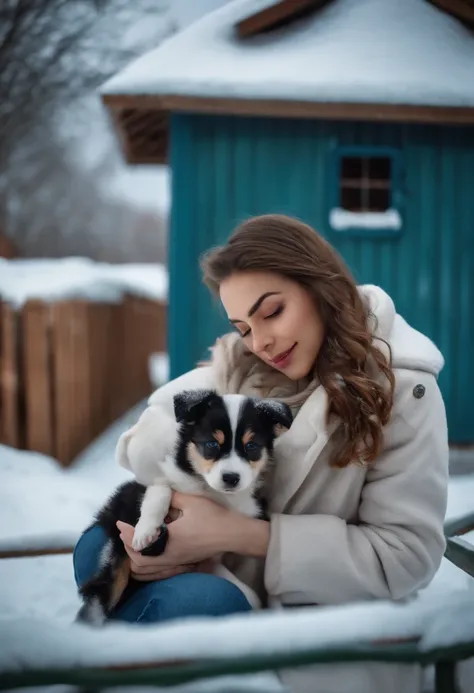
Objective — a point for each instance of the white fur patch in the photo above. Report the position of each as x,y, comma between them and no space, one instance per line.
95,612
106,554
154,508
234,405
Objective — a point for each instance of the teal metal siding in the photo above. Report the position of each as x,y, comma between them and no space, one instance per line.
227,168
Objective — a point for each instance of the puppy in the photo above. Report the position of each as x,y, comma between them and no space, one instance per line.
223,444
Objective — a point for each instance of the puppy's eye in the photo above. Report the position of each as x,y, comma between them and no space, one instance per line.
212,445
251,447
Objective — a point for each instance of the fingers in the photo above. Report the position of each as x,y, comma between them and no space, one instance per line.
173,515
178,500
126,532
151,562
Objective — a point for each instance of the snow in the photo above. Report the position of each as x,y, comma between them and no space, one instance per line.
55,643
183,13
46,506
38,600
147,187
342,220
461,496
79,278
355,51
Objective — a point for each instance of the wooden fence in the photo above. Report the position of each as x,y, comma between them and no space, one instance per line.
69,369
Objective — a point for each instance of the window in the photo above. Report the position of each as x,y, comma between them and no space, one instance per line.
365,183
365,191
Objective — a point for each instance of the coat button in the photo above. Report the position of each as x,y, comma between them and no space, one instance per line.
419,391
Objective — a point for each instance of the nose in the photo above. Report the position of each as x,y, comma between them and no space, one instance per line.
231,479
261,341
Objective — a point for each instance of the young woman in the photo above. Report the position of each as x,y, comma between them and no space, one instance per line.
358,494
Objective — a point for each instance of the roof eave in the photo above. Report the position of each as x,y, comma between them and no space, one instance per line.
153,111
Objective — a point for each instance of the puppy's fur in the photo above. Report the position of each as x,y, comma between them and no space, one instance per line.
223,444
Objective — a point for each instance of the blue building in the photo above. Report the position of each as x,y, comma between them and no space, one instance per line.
356,116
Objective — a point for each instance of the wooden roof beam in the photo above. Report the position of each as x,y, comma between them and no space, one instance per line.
461,9
277,14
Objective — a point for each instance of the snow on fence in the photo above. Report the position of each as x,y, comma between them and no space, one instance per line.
70,368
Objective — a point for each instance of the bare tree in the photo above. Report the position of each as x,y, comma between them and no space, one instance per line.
56,49
53,55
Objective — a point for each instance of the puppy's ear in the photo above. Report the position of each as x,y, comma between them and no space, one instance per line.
190,405
279,414
121,451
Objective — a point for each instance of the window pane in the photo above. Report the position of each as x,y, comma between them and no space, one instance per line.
378,200
351,167
351,199
380,167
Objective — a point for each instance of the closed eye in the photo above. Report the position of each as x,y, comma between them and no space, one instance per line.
275,313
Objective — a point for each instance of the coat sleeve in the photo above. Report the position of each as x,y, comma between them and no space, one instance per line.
397,543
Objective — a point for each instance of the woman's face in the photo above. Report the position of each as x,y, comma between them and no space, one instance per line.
277,318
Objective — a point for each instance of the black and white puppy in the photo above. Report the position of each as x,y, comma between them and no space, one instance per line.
223,445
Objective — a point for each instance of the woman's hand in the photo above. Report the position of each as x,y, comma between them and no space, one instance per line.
196,536
202,531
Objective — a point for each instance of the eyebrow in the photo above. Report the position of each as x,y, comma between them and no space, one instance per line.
257,305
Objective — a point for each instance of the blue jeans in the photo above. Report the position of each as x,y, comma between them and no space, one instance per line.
190,594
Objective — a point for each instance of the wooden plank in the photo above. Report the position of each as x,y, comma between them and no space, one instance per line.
454,115
71,379
8,249
406,113
116,375
28,553
277,14
39,404
149,325
101,348
144,133
274,108
9,378
461,9
138,314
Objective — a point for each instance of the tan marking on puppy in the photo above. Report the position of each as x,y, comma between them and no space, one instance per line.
248,436
219,436
278,429
121,577
199,463
262,461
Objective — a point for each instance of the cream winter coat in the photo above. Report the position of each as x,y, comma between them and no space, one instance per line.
358,533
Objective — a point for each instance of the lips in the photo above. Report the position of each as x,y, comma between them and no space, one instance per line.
282,357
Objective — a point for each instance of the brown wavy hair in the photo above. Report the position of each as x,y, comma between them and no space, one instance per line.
355,372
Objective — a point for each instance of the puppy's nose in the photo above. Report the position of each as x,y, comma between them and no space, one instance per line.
231,479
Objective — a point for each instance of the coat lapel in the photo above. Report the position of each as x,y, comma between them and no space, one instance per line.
297,450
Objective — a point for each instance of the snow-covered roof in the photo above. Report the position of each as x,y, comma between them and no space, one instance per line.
351,51
77,278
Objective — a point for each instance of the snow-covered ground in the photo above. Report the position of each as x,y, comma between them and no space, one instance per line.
42,504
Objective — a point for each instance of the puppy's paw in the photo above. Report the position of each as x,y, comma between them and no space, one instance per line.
145,534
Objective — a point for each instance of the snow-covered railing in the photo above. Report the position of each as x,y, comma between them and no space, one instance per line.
427,631
459,551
